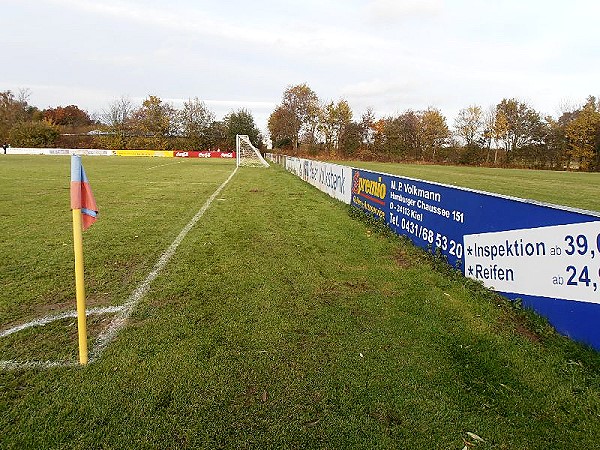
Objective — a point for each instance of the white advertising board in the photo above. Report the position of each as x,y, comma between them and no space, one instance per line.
58,151
560,261
333,179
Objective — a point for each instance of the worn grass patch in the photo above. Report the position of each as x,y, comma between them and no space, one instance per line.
56,341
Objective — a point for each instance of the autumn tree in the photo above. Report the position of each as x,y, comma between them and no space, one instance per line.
379,136
487,135
334,119
387,137
281,128
218,136
583,136
499,131
15,110
195,121
368,127
302,110
557,144
36,134
434,131
154,123
118,119
241,122
469,125
524,125
400,136
70,116
325,127
350,139
409,128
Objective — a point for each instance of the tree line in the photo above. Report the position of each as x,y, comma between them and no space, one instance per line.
154,124
509,134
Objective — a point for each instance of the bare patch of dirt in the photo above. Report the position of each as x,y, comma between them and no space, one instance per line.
48,309
512,322
403,259
526,332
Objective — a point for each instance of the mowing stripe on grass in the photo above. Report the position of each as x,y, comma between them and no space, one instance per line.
163,165
123,312
111,331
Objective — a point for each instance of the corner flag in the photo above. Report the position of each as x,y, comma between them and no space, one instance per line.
81,193
85,211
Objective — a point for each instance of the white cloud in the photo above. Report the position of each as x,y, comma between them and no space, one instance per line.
387,54
304,34
198,22
385,11
391,89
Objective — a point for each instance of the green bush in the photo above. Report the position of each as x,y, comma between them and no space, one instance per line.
34,134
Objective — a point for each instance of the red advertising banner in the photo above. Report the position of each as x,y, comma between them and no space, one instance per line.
207,154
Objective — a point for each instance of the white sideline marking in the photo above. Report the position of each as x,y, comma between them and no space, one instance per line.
123,312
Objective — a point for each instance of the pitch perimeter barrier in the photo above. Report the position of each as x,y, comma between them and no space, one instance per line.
546,255
58,151
198,154
334,179
101,152
155,153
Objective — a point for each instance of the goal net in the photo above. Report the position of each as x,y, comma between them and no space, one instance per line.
247,154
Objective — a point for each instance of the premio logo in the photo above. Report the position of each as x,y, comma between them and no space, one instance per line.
373,190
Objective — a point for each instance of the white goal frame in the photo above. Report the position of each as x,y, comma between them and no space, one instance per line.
247,154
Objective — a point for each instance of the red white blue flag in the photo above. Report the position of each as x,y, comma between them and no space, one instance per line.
81,193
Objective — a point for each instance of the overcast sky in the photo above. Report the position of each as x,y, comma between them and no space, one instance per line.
390,55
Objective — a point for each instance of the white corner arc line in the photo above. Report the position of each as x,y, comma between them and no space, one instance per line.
123,312
20,365
64,315
12,364
118,322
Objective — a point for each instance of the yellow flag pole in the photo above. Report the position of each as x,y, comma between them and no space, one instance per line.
80,286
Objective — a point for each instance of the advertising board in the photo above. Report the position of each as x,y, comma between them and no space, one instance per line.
58,151
159,153
199,154
333,179
546,255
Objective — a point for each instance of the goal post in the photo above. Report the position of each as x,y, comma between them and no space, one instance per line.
247,154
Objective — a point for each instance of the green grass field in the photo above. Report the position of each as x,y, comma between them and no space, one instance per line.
282,321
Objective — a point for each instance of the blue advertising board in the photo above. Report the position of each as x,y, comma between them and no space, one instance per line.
546,255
